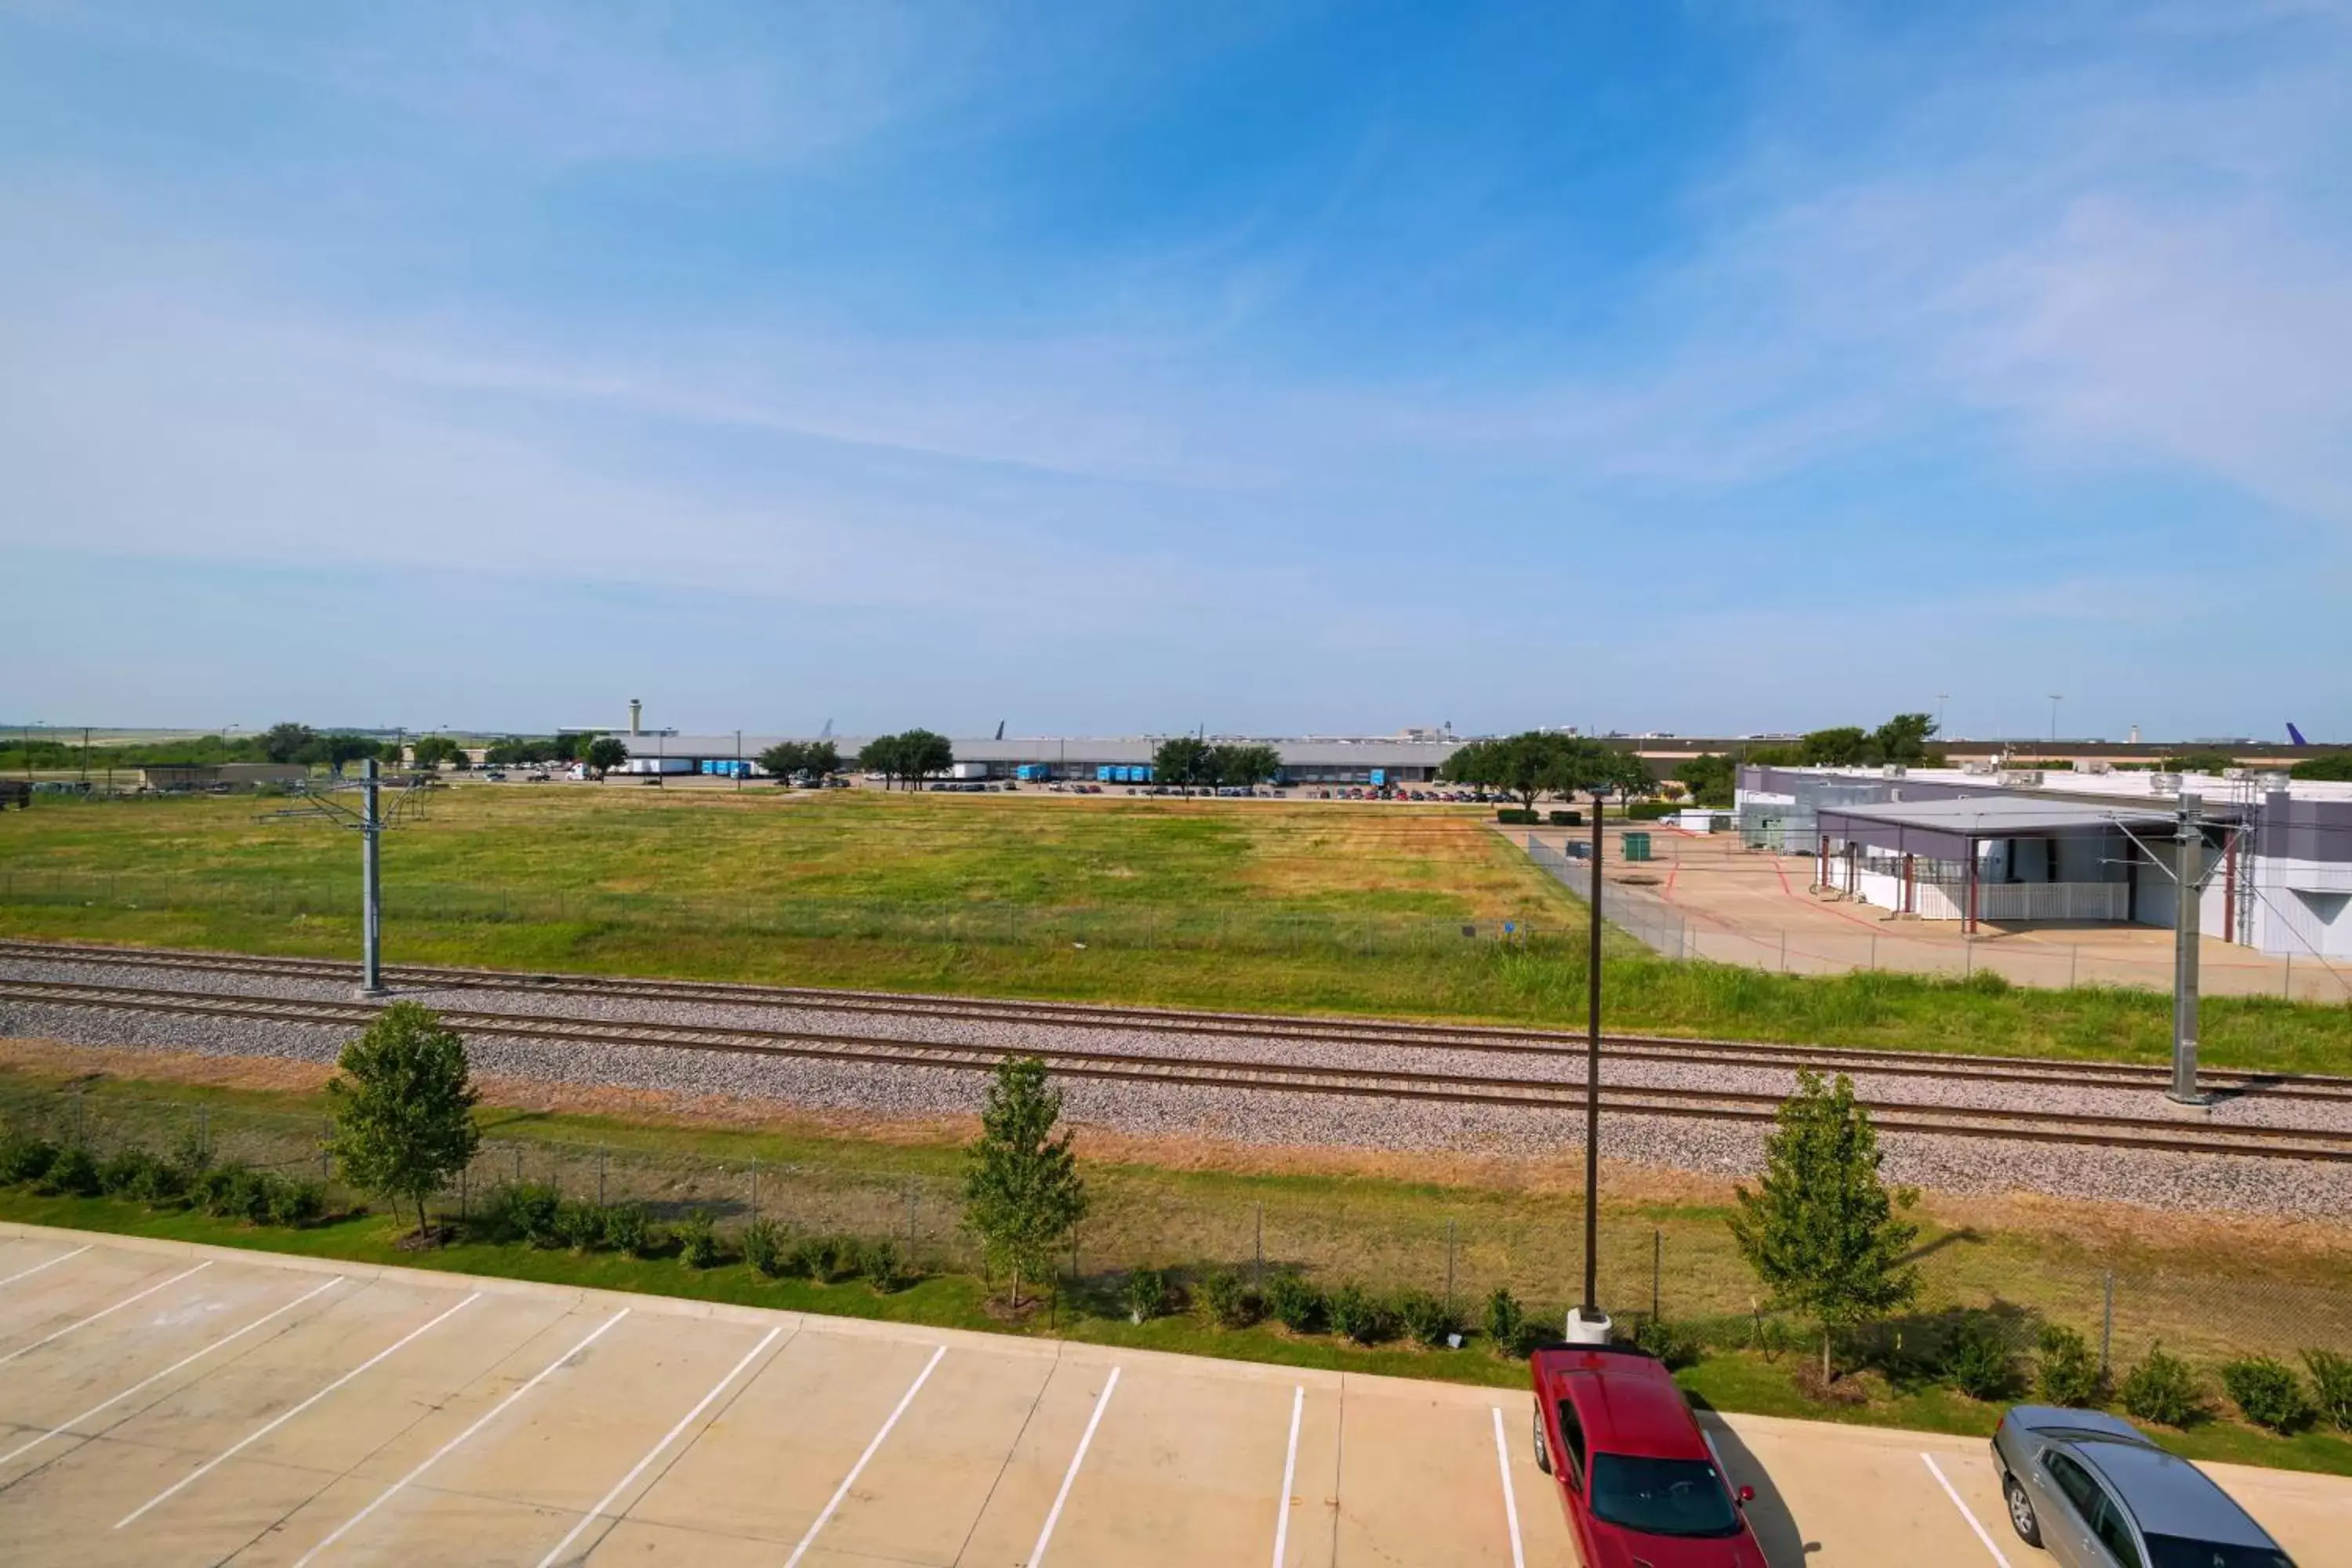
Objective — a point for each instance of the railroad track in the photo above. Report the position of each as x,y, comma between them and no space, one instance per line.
1500,1040
2146,1132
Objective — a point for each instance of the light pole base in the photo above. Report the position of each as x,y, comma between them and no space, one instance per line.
369,993
2197,1098
1586,1331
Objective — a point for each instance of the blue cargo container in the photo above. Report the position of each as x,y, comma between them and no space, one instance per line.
1102,773
1380,775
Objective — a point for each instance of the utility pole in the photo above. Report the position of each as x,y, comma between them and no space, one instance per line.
2189,839
372,880
1587,1324
2055,697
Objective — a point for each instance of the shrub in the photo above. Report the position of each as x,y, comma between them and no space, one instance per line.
822,1258
1512,817
1506,1320
763,1247
125,1174
1147,1294
2331,1379
2163,1389
1656,1337
630,1229
579,1224
698,1240
290,1204
1650,810
73,1172
2268,1392
2065,1372
23,1157
1427,1317
216,1191
1291,1301
1980,1363
883,1265
1567,819
1360,1315
1230,1303
528,1211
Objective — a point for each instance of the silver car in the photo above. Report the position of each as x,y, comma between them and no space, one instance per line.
2088,1489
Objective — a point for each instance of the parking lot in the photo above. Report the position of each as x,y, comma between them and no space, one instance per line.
161,1403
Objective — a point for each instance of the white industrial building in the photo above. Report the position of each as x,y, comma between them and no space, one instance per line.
1979,845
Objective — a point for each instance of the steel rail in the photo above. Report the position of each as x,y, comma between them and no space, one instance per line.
2159,1133
1689,1050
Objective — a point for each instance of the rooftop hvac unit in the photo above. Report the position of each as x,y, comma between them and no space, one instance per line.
2100,765
2237,773
2270,783
1893,771
1980,766
2164,783
2029,778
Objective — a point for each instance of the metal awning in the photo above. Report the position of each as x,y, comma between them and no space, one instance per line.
1951,829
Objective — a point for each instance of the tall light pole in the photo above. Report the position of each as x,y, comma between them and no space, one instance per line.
2055,697
1587,1324
1941,698
2188,849
372,877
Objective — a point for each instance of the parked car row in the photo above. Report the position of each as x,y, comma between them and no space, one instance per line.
1640,1482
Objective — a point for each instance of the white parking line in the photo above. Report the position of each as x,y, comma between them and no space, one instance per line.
446,1448
1037,1553
1510,1497
1289,1472
655,1452
35,1269
108,1312
67,1426
232,1449
1937,1471
855,1470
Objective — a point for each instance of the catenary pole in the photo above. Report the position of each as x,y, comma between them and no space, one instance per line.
372,879
2190,840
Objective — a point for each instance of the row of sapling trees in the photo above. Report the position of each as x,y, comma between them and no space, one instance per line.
907,758
1188,764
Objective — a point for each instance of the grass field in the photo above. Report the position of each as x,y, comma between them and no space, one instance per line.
2270,1290
1252,905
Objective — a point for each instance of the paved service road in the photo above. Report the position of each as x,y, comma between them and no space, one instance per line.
165,1404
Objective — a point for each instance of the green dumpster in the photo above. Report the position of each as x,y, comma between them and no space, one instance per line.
1637,846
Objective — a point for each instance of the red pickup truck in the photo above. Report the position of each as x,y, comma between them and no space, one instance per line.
1640,1484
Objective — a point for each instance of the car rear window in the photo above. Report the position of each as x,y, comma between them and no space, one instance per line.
1664,1497
2177,1551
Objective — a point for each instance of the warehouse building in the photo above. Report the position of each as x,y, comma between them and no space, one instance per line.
1979,845
1304,762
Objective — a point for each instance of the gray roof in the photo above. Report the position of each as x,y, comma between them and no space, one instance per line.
1308,752
1950,829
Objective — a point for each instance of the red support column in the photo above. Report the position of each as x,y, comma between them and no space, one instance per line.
1910,886
1969,926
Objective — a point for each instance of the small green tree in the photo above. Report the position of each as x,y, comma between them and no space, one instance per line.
785,759
1713,779
1243,766
1820,1231
1844,747
403,1108
1181,760
604,753
1021,1190
431,751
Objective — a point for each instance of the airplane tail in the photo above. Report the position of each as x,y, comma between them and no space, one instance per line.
2294,736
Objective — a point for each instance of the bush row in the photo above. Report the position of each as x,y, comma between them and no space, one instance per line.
183,1179
538,1214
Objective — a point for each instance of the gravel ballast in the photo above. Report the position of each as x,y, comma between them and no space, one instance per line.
1965,1165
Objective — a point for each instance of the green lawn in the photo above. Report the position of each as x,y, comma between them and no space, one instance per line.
1391,1235
1311,907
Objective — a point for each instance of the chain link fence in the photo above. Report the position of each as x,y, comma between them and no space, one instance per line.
1458,1249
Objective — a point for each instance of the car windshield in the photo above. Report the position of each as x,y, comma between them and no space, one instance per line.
2179,1551
1661,1497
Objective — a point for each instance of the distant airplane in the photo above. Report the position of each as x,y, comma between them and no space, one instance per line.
2294,736
825,733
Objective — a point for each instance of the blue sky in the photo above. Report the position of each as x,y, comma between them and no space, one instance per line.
1710,367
